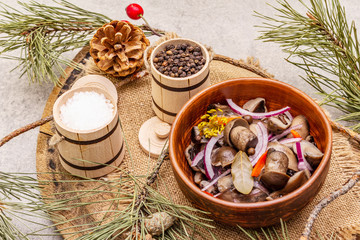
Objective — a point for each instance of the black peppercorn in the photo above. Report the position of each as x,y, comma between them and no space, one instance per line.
179,60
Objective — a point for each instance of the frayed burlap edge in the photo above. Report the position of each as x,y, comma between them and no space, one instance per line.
349,162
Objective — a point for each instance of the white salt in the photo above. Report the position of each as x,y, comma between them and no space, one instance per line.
86,111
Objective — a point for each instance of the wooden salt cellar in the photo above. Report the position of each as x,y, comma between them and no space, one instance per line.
84,152
170,94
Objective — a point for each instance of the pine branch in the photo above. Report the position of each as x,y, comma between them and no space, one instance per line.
43,33
325,46
326,201
20,200
24,129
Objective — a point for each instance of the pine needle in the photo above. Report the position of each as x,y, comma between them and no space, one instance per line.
325,46
43,33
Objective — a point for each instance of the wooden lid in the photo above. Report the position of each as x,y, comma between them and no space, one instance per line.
93,80
153,136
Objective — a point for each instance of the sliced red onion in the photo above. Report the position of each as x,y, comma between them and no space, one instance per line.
270,136
261,146
285,132
209,170
261,187
290,140
197,158
242,111
216,179
289,116
302,163
218,194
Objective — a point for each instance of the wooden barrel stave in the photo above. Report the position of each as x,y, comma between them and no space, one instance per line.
83,152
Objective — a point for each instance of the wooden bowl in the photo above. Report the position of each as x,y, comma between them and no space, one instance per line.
277,95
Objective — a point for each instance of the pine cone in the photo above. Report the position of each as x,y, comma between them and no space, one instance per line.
118,47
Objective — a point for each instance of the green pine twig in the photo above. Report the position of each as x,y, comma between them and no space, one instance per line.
43,33
325,46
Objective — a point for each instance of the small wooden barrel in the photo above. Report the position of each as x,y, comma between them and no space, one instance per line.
170,94
93,80
81,152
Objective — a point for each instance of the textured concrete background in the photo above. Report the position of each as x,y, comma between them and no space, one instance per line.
227,26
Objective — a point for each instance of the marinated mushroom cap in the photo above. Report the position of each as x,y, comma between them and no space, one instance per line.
189,152
211,189
277,124
224,156
274,176
252,128
198,177
312,154
255,105
225,183
222,110
304,130
232,195
293,163
232,124
295,181
195,134
242,138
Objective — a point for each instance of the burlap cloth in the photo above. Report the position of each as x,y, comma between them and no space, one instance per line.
341,216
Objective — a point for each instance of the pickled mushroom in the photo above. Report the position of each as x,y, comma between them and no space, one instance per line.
255,105
278,124
232,124
195,134
312,154
298,179
198,177
289,153
274,176
189,151
211,189
304,130
242,138
246,154
223,156
225,183
231,195
222,110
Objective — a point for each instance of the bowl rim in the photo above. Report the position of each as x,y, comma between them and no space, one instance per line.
322,166
186,40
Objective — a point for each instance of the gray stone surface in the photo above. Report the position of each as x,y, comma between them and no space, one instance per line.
227,26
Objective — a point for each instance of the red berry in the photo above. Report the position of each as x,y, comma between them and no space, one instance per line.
125,21
134,11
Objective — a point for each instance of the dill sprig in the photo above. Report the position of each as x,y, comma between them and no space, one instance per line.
212,124
325,46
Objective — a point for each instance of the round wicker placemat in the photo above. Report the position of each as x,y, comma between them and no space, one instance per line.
134,105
